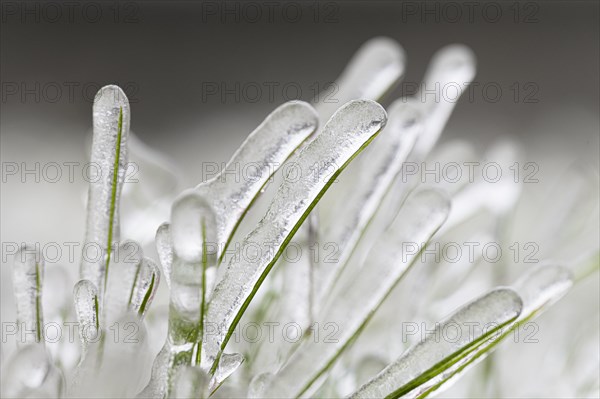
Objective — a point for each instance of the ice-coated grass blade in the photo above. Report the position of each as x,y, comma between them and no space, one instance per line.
85,295
348,131
144,287
194,232
359,296
193,229
539,289
265,149
109,161
453,67
381,163
28,280
475,323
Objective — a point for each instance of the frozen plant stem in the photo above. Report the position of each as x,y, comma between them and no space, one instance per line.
109,155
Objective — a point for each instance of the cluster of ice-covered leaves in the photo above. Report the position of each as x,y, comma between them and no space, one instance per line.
215,288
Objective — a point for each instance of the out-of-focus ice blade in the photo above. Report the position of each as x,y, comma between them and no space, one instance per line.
57,279
451,157
265,149
152,184
473,323
357,297
31,374
28,280
258,385
493,190
190,383
450,72
348,131
109,165
122,356
164,248
541,287
373,70
381,163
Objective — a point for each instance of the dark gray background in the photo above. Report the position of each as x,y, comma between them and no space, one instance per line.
167,51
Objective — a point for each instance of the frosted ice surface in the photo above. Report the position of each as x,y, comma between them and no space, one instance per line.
102,230
343,136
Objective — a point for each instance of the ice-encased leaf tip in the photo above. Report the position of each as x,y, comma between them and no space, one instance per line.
193,222
543,286
265,149
539,289
228,364
85,295
474,323
452,66
111,115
